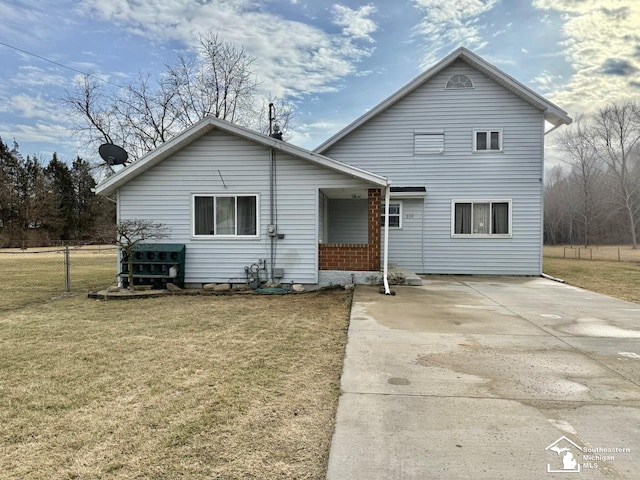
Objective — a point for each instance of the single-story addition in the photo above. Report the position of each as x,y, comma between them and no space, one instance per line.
463,145
235,198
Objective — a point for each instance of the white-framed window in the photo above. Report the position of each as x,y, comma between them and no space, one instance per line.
395,214
459,81
225,216
481,218
428,142
487,140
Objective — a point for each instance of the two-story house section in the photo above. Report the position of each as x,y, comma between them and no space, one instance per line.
463,146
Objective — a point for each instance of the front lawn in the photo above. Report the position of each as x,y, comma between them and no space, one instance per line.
175,387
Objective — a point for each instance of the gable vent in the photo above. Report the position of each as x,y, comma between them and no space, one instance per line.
459,81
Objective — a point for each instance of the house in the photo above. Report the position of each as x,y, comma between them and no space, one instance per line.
452,163
236,198
463,146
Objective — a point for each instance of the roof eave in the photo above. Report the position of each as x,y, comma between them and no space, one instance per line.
199,129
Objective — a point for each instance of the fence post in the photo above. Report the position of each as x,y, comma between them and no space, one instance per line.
67,275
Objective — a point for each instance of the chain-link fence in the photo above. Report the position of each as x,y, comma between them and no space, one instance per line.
38,274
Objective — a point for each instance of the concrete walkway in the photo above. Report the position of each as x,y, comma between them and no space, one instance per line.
480,377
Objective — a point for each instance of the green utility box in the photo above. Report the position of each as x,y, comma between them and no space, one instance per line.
155,264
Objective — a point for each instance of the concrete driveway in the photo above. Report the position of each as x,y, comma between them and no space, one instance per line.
482,377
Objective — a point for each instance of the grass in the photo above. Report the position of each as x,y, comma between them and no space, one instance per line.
37,275
617,279
174,387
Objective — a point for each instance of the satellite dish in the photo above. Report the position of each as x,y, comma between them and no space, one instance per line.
113,154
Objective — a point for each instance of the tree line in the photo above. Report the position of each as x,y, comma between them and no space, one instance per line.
594,195
44,202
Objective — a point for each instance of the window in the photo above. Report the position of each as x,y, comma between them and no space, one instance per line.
459,81
487,140
395,215
225,215
428,143
481,218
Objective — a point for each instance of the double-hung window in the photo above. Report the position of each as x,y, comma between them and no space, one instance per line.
481,218
225,215
487,140
395,215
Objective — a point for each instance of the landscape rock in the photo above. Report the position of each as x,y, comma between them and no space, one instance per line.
349,286
113,289
297,287
209,286
173,287
241,287
223,287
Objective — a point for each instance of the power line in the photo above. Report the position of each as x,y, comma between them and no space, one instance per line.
59,64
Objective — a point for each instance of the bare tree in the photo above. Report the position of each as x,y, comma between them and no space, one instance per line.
577,144
216,80
131,232
616,141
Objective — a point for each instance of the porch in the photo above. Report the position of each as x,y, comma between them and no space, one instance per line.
349,229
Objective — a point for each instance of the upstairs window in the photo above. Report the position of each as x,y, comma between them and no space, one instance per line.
481,218
487,140
428,142
459,81
225,215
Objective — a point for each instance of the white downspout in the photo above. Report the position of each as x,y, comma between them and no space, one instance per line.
385,261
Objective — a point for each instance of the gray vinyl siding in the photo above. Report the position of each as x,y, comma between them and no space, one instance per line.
385,145
405,244
164,194
348,221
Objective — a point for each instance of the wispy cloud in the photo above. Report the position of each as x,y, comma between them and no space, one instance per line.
293,58
355,23
450,23
601,43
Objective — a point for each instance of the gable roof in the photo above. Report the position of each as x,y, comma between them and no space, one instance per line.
206,125
552,113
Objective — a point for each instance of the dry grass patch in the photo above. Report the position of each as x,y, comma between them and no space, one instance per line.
617,279
173,387
37,275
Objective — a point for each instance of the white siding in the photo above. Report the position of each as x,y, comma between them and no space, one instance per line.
164,194
385,145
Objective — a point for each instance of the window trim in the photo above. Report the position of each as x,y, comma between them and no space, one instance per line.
224,237
482,235
488,131
391,202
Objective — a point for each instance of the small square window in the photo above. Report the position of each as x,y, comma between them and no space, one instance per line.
395,215
487,140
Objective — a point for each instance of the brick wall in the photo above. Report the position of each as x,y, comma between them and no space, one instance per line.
356,257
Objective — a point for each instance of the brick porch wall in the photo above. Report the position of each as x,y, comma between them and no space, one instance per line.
352,256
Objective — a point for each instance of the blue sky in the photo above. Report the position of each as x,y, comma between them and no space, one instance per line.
333,60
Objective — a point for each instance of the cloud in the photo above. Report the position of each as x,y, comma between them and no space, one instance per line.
616,66
546,81
450,23
592,30
355,23
293,58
